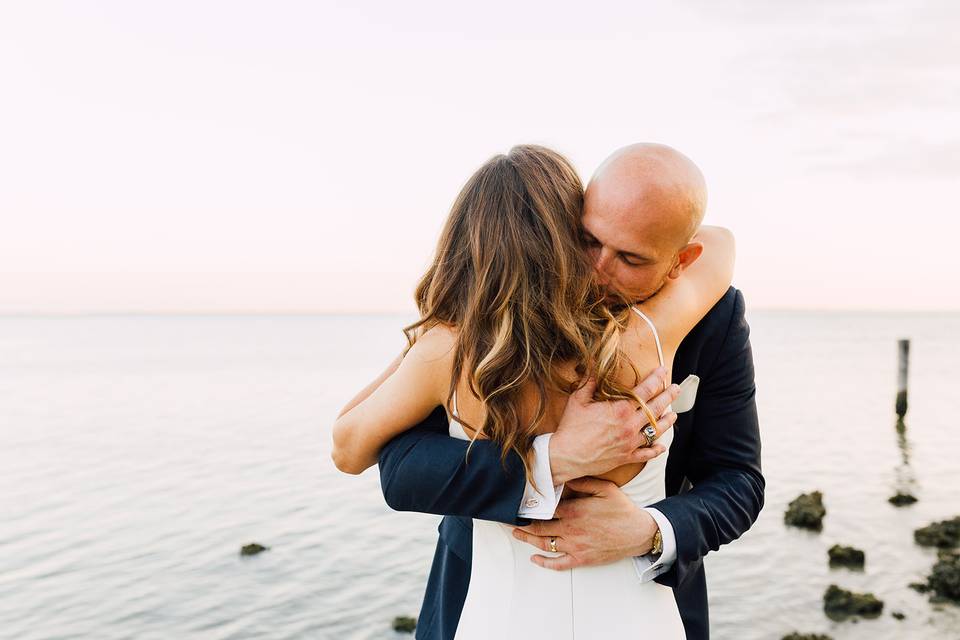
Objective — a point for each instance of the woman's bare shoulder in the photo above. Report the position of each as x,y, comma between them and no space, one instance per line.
639,344
435,343
671,329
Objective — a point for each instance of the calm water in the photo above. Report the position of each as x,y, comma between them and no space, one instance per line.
140,452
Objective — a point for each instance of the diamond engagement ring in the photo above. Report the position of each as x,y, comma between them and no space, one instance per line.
650,433
553,545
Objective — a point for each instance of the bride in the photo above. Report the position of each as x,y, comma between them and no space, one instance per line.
514,319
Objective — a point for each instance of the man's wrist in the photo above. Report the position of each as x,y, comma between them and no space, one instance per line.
648,527
561,468
650,566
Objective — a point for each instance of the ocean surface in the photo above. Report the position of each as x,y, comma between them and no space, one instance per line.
138,454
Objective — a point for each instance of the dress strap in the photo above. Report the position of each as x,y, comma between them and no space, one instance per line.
656,335
454,403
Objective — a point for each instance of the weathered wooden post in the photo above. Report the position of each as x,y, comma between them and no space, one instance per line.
903,361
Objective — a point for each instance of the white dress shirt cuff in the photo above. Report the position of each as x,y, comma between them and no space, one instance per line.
647,567
536,505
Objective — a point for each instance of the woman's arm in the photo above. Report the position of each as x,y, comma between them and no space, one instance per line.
370,388
686,299
403,399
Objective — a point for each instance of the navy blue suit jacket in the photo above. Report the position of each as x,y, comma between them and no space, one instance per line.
714,485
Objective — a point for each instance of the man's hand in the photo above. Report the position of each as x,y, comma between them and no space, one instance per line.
595,437
602,527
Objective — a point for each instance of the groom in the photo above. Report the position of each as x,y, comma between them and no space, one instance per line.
640,209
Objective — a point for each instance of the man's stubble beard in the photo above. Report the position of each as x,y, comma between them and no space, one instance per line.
655,292
620,298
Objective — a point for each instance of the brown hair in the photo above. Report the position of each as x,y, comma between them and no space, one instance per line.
511,274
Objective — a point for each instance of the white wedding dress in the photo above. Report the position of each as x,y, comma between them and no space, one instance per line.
510,597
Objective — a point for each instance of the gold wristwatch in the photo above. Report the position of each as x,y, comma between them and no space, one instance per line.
657,543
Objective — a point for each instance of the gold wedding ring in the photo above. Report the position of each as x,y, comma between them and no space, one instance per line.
553,545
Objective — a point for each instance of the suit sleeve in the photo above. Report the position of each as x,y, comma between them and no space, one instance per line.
724,462
424,469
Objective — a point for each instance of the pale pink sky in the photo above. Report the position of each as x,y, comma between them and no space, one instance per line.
299,156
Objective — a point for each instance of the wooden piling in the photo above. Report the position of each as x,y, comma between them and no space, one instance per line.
903,349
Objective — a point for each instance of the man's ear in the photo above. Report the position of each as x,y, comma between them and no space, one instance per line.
687,256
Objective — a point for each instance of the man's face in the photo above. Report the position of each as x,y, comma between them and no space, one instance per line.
633,247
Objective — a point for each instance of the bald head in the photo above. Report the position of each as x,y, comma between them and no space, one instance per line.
640,213
652,181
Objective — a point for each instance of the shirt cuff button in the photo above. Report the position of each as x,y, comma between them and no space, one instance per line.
532,502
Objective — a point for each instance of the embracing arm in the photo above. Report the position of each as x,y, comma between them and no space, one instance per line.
424,469
364,393
687,298
724,461
400,400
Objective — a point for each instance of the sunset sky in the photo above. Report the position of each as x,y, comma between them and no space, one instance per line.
302,156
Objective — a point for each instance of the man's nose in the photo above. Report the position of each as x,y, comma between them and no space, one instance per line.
602,263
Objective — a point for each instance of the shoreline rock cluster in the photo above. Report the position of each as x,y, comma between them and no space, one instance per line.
252,549
404,624
840,604
840,556
944,579
902,499
944,534
943,583
806,511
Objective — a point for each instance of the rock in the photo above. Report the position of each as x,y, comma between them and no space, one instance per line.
902,499
944,579
252,549
845,557
806,511
898,615
945,534
404,624
807,636
839,603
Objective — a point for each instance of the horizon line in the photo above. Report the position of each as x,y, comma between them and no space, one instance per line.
358,312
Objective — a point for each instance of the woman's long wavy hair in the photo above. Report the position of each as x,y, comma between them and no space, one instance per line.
511,275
